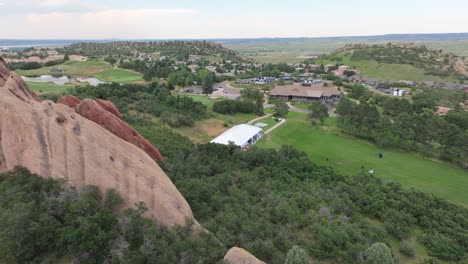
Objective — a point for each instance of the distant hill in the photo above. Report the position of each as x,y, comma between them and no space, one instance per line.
400,61
173,49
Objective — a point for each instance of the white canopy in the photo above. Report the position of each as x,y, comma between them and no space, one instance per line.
238,135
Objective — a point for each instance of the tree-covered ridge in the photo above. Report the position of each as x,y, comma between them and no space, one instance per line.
171,49
138,103
434,62
268,201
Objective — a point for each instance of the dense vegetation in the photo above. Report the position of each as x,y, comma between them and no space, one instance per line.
138,103
267,201
45,220
175,49
409,126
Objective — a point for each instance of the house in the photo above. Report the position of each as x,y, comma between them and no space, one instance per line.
465,89
314,67
341,70
240,135
309,92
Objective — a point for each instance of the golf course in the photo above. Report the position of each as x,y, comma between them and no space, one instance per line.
346,154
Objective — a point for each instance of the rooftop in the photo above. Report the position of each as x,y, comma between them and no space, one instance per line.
239,135
316,90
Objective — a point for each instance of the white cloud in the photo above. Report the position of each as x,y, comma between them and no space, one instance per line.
54,3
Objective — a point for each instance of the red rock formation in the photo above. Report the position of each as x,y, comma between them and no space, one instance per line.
105,114
91,110
52,140
110,107
16,85
69,100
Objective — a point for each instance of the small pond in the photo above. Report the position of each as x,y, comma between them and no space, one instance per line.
61,79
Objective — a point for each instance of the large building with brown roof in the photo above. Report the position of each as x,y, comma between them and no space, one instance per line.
298,92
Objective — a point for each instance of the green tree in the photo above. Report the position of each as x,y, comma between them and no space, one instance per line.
281,109
207,84
318,112
378,253
297,255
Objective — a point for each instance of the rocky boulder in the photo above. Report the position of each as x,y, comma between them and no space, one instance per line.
105,114
70,101
238,255
53,141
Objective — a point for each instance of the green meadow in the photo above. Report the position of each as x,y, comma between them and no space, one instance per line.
326,146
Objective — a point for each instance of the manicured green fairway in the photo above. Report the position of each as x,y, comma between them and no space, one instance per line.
92,68
47,87
120,76
347,155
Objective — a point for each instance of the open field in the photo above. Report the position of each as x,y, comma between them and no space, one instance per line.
347,155
383,71
93,68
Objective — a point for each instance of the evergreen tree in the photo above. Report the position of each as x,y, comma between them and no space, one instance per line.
297,255
378,253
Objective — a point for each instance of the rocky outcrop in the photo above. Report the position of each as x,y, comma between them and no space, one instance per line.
238,255
69,100
105,114
109,107
53,141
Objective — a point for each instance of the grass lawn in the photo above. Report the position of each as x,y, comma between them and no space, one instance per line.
42,87
347,155
302,106
202,99
92,68
269,120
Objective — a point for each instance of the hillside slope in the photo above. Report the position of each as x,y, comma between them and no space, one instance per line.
400,62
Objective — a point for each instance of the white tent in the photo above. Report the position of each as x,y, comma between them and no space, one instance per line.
240,135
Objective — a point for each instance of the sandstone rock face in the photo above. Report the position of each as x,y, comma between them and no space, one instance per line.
105,114
109,107
53,141
238,255
69,100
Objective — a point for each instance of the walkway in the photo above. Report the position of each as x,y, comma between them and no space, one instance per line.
258,118
275,127
266,116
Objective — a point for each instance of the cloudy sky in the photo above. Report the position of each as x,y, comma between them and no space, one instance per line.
162,19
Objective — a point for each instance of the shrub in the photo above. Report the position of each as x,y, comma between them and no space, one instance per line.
407,249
